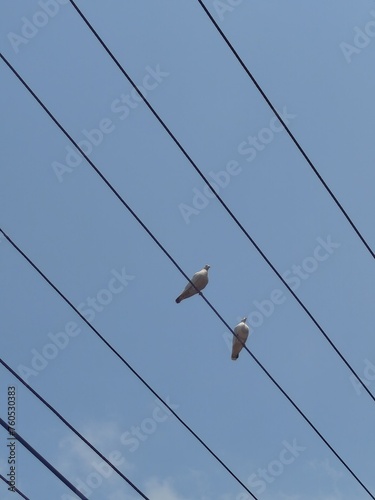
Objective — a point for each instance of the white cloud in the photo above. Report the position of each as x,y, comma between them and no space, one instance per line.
101,434
321,496
157,489
74,454
75,457
120,495
325,468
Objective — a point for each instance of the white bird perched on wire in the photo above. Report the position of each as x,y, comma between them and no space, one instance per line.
242,332
200,280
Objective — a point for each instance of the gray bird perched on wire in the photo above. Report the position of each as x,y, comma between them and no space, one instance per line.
242,332
200,280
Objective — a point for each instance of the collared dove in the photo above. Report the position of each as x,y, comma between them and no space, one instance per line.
242,332
200,280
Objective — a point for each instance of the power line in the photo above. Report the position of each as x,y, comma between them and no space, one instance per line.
245,232
45,462
183,273
15,488
160,399
123,360
299,147
24,443
52,409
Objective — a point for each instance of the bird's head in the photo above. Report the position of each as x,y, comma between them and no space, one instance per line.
206,267
243,320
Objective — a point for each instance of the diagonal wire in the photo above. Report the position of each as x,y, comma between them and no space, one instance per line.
183,273
173,137
299,147
123,360
160,399
45,462
52,409
15,488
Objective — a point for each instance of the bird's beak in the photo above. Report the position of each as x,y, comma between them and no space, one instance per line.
244,320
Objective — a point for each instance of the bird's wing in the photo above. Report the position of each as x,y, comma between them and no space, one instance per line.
242,332
198,282
195,280
236,348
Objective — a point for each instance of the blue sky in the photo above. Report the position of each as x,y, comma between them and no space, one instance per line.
68,222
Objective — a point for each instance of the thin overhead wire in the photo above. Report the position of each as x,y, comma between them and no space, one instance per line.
15,488
289,132
175,263
45,462
123,360
72,428
173,137
160,399
186,277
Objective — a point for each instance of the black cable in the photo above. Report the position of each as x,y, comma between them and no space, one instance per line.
155,393
45,462
182,272
133,370
263,255
50,407
15,488
299,147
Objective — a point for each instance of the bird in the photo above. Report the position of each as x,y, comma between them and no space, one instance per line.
200,280
242,332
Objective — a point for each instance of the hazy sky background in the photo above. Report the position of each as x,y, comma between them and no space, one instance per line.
72,226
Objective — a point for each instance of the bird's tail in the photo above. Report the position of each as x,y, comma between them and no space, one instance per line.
178,300
234,357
